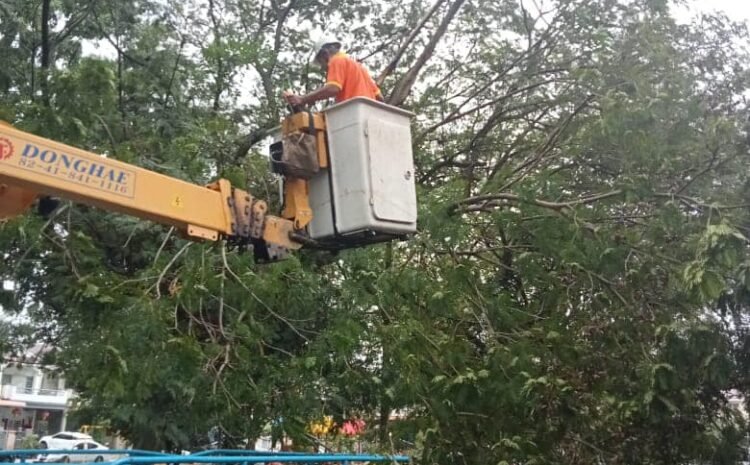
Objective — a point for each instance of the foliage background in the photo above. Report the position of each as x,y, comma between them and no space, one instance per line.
577,292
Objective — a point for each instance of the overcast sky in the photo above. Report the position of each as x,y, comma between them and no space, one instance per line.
738,10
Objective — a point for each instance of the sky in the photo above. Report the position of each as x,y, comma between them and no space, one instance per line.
739,10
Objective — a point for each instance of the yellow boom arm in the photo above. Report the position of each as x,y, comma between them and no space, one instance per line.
31,166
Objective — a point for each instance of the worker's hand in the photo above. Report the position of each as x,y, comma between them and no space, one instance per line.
293,100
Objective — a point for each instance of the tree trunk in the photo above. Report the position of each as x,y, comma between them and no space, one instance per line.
383,419
220,71
404,46
46,52
32,80
405,84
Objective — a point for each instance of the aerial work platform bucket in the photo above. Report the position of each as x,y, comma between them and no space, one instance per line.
369,188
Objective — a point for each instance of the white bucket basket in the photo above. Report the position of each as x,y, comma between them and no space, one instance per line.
369,188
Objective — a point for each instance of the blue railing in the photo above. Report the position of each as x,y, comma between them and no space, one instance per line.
219,457
39,455
235,452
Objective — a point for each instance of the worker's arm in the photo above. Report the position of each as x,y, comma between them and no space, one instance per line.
323,93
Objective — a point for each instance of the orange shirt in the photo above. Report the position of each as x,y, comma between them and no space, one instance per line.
351,78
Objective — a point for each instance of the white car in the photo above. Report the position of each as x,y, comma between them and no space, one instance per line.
62,440
95,452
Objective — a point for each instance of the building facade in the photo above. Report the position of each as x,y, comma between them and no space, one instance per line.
33,400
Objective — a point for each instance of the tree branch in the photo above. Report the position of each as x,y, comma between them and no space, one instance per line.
244,143
456,115
404,86
46,51
557,206
404,46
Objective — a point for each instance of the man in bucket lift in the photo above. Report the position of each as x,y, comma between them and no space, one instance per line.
346,78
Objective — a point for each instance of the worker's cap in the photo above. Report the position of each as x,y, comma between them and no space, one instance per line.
319,44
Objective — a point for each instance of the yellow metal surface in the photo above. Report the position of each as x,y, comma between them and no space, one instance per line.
259,209
31,165
277,232
296,191
322,149
242,207
14,200
202,233
301,122
296,202
52,168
